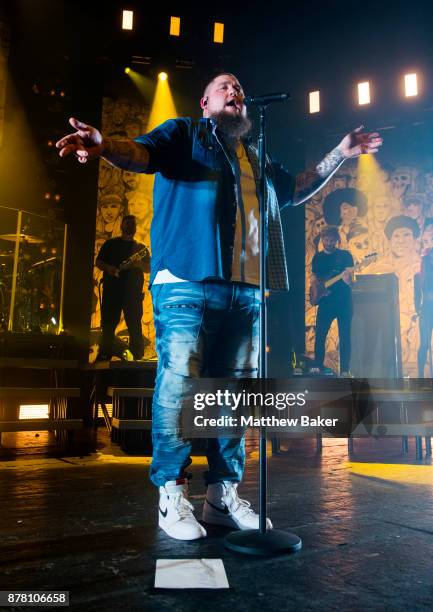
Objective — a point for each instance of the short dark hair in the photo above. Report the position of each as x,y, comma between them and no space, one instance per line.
399,222
331,231
129,217
215,76
333,201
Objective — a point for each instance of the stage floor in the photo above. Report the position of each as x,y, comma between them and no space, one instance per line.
88,525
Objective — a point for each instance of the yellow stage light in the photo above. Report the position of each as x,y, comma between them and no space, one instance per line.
145,85
364,93
127,20
410,85
372,178
127,70
163,106
174,26
314,101
218,33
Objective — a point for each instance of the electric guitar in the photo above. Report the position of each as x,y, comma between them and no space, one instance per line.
136,258
318,288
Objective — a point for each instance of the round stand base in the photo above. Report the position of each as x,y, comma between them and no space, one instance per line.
273,542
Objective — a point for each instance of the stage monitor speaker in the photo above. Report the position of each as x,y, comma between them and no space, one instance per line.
376,343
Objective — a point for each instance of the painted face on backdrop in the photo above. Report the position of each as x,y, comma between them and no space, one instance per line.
348,213
359,246
401,181
131,180
137,207
414,210
105,174
340,182
402,242
110,211
381,209
318,225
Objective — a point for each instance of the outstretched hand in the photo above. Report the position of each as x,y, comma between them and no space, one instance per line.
86,143
358,142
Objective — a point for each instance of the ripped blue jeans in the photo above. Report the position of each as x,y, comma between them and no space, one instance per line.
202,329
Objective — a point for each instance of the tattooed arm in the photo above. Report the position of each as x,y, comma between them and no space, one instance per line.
88,143
353,144
125,154
311,181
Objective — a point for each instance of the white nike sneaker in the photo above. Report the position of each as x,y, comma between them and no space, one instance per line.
175,512
223,506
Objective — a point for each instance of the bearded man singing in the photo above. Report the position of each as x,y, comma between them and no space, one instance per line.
205,277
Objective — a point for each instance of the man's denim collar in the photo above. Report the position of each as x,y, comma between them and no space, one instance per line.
207,121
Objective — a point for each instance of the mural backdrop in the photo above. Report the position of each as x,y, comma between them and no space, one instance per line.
121,193
380,208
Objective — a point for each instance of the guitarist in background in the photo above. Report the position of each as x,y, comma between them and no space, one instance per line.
123,290
336,301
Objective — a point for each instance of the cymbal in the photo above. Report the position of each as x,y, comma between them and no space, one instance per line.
6,255
23,238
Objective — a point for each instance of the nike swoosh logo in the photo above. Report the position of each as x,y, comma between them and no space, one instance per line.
164,514
224,510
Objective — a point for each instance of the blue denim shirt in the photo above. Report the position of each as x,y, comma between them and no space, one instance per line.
194,204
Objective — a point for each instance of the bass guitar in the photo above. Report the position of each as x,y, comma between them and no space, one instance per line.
137,258
319,288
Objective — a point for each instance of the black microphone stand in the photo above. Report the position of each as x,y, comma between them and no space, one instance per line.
263,542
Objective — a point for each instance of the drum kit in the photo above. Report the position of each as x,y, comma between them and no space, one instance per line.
37,283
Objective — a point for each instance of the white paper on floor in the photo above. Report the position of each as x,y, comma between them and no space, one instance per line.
190,574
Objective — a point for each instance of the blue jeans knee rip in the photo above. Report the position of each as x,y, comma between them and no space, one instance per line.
179,311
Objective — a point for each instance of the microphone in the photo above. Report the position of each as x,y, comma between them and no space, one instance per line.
266,99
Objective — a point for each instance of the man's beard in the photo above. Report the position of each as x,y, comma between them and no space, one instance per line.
233,126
